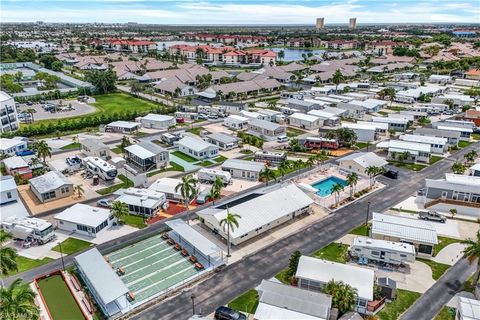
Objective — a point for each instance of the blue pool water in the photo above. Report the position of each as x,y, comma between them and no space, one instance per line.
324,186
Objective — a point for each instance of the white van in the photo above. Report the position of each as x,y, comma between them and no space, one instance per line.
283,139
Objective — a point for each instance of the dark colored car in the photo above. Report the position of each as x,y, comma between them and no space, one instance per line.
431,216
225,313
391,174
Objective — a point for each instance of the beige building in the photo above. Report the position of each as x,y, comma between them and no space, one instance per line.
320,23
352,23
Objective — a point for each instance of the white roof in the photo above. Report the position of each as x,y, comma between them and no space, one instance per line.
27,222
50,181
146,198
100,163
195,144
383,244
157,117
423,139
84,214
165,185
323,271
462,179
4,96
6,143
7,183
469,308
322,114
404,228
123,124
237,118
453,128
304,117
400,146
266,311
145,149
243,165
264,124
366,159
250,114
102,277
378,125
15,162
390,120
351,125
263,209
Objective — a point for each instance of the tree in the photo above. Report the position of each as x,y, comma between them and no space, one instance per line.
17,302
283,167
267,174
120,210
188,189
373,171
78,189
389,93
472,252
43,150
470,156
403,156
344,297
352,180
450,103
216,191
453,211
281,54
336,189
104,81
57,65
30,111
136,87
124,143
337,78
458,168
8,256
293,263
47,60
230,222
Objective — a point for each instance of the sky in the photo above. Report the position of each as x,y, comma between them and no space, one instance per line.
253,12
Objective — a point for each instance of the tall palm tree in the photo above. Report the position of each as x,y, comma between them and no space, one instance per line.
472,252
310,161
188,189
78,189
124,143
17,302
283,167
371,171
120,210
43,150
336,189
230,222
267,174
337,78
352,180
8,256
216,191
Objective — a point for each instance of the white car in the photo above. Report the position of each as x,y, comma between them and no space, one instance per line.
107,203
283,139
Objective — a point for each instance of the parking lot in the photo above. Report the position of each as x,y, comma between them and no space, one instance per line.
75,109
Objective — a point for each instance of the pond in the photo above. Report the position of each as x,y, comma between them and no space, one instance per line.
295,54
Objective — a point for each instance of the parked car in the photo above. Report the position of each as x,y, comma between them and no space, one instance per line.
225,313
283,139
432,216
391,174
203,196
107,203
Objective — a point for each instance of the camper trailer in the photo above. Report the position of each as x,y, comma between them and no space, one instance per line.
396,253
209,175
29,229
270,158
100,167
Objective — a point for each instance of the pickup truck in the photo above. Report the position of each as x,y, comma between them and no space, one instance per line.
432,216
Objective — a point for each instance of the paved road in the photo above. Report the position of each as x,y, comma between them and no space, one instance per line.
428,305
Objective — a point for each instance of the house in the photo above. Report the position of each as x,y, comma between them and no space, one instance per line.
8,190
276,207
313,274
441,79
456,191
222,140
17,165
251,115
122,127
167,186
465,130
9,147
380,127
278,301
236,122
352,110
271,115
438,145
475,170
146,156
472,74
196,148
453,137
368,105
359,162
265,129
459,100
397,124
173,87
157,121
142,202
302,105
468,309
51,186
95,148
84,219
416,151
396,253
243,169
8,114
329,119
472,115
305,121
420,233
364,132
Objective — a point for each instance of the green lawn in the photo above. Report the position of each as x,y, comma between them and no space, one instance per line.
360,231
173,167
126,183
204,163
220,159
293,132
396,108
195,130
59,299
403,301
184,156
463,144
435,159
442,243
25,264
383,113
361,145
445,314
437,268
134,221
282,276
335,252
409,166
72,245
71,146
117,150
476,136
247,302
176,167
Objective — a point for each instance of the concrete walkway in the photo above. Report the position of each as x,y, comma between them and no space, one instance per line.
450,254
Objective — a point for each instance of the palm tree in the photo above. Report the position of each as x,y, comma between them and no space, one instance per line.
267,174
216,191
453,211
188,189
352,180
458,168
120,210
8,256
78,189
310,161
230,222
337,78
472,252
470,156
17,302
43,150
124,143
283,167
344,297
403,156
31,111
337,188
371,171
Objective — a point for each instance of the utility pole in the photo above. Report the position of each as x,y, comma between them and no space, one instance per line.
366,218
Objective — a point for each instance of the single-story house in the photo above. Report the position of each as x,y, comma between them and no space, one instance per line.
142,202
453,137
147,156
380,127
122,126
8,190
420,233
157,121
10,147
222,140
468,309
236,122
364,132
475,170
302,105
438,145
417,152
265,129
397,124
360,161
84,219
17,165
305,121
51,186
329,119
459,100
196,148
465,130
95,148
243,169
167,186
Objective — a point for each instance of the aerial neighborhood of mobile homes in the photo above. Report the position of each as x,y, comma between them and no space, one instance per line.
270,172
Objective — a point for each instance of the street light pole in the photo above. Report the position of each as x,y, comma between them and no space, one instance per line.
366,218
193,303
61,255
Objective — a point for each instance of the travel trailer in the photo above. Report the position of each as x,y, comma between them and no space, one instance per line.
396,253
209,175
100,167
29,229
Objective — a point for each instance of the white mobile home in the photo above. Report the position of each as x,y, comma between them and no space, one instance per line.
235,122
305,121
397,124
157,121
243,169
143,202
359,162
265,130
84,219
196,148
51,186
222,140
364,132
437,145
417,152
167,186
95,148
147,156
453,137
396,253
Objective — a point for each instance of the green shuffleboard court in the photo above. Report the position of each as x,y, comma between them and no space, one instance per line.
59,299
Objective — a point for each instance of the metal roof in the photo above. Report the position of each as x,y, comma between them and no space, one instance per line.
264,124
157,117
195,144
366,159
469,309
243,165
84,214
222,137
50,181
15,162
423,139
145,149
146,198
400,146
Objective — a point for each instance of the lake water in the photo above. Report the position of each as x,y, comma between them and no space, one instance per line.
295,54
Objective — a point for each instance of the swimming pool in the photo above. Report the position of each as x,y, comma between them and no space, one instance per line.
324,186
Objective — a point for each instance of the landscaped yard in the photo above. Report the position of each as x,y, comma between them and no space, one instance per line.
71,245
409,166
71,146
335,252
394,309
220,159
442,243
463,144
117,150
204,163
195,130
184,156
126,183
293,132
475,136
360,231
134,221
282,276
396,108
445,314
437,268
247,302
435,159
361,145
173,167
25,264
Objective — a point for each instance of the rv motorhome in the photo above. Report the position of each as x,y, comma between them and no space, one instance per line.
100,167
382,251
29,229
209,175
